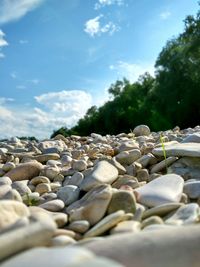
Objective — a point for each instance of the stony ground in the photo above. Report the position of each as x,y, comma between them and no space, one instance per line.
125,200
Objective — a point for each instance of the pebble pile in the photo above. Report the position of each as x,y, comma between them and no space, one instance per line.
124,200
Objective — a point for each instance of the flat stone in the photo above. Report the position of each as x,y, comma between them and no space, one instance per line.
164,189
187,214
76,179
68,194
103,173
177,247
11,211
192,189
38,233
152,220
62,240
53,205
179,150
192,138
105,224
128,157
25,171
126,227
122,200
163,164
45,157
161,210
62,256
92,206
79,226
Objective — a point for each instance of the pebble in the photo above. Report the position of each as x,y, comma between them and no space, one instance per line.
105,224
79,226
43,188
192,189
53,205
141,130
92,206
165,189
103,173
68,194
187,214
161,210
128,157
126,227
122,200
25,171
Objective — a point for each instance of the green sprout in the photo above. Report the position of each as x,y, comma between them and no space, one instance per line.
164,151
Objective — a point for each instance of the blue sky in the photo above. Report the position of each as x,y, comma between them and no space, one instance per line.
59,57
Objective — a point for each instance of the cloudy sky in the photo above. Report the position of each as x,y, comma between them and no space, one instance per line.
59,57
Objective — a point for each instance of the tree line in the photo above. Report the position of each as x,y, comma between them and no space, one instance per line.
170,98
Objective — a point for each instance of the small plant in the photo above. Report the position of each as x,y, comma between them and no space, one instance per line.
164,151
31,201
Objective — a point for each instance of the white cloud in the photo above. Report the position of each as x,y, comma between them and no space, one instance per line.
4,100
11,10
3,42
103,3
94,27
56,109
131,71
165,15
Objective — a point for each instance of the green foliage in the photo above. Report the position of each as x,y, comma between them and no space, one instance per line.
170,98
30,201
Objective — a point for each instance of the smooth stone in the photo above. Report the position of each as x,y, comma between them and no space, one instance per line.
164,189
122,200
102,173
38,233
66,232
8,166
143,175
192,138
31,199
105,224
43,188
179,149
25,171
141,130
76,179
192,189
21,187
140,209
62,240
163,164
148,159
13,195
39,180
79,165
68,194
177,247
116,164
62,256
187,214
128,157
126,227
4,189
59,218
79,226
161,210
92,206
53,205
11,211
153,227
126,180
45,157
50,172
152,220
5,181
